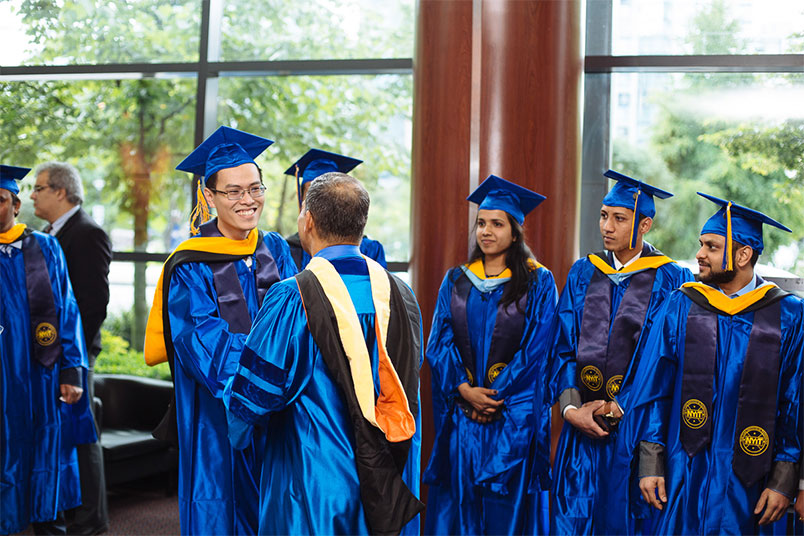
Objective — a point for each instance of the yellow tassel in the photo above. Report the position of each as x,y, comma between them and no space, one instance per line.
728,261
298,187
200,213
631,241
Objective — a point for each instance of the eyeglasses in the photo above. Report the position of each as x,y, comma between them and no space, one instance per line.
37,188
239,193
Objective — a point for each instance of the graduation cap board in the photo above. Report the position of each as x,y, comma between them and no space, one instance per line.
737,224
496,193
315,163
9,175
225,148
635,195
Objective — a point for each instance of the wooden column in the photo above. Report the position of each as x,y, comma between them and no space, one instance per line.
497,89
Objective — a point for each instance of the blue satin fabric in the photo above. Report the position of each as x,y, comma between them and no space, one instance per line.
283,389
704,494
39,433
218,491
368,247
587,489
479,473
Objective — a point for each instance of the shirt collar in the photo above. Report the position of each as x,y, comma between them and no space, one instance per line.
618,265
341,250
752,285
56,226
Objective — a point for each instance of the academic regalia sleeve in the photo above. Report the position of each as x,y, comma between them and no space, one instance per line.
568,325
374,250
789,422
648,405
275,365
442,354
280,251
207,351
74,362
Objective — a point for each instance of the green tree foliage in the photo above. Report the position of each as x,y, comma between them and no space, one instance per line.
126,136
117,357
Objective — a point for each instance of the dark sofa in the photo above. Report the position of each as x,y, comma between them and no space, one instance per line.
130,408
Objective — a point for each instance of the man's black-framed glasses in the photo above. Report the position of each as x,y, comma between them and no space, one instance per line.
236,194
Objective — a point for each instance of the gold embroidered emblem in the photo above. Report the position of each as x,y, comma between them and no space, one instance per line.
613,385
45,334
469,375
592,378
694,413
754,440
495,370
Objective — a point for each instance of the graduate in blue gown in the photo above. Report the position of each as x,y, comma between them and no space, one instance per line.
44,367
718,403
330,374
209,292
488,355
604,313
306,169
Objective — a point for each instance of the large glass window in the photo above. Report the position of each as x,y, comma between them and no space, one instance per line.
673,27
87,32
317,29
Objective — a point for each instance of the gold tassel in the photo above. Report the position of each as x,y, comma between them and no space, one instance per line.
298,187
728,261
631,241
200,213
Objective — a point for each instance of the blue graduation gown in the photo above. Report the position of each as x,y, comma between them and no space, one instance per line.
586,485
479,473
309,481
368,247
39,433
218,491
704,494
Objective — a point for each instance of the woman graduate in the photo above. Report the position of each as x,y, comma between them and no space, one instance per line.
487,351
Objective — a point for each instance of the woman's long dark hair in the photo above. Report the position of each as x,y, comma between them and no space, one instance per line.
516,259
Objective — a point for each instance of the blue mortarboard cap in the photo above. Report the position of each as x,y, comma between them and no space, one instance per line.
496,193
315,163
9,175
635,195
225,148
737,224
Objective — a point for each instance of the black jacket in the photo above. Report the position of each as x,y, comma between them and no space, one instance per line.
88,251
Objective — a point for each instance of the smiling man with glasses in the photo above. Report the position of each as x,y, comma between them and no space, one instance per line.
207,297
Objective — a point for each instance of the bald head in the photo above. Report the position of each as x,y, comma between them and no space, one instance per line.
339,205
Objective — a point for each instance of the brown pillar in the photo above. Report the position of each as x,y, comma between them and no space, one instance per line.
497,89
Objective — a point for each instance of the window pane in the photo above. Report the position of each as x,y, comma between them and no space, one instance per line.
673,27
366,117
122,332
317,29
84,32
124,137
735,136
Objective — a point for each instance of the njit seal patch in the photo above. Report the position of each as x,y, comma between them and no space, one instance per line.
45,334
694,413
613,385
592,378
495,370
754,440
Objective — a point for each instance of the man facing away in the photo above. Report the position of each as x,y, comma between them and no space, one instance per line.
604,313
330,371
45,412
718,402
57,197
208,294
306,169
